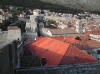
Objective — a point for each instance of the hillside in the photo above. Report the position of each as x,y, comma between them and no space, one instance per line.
90,5
34,4
69,6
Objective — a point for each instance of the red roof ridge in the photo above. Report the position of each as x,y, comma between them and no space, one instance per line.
65,52
81,56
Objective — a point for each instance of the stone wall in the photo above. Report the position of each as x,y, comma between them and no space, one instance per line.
14,34
8,58
30,36
91,68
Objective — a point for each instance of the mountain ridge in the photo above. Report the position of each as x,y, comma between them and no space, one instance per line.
91,5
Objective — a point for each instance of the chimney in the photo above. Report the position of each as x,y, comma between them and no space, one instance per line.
43,61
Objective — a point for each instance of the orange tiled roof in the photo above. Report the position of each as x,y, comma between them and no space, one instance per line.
63,31
93,44
57,52
71,52
89,43
60,38
84,44
70,40
87,33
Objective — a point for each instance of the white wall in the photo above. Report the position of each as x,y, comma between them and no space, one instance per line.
1,18
30,36
28,25
31,26
48,33
55,18
36,13
95,37
95,54
22,15
79,28
62,26
32,18
14,35
3,35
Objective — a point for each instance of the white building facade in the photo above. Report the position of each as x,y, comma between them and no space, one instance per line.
1,18
14,33
79,28
32,24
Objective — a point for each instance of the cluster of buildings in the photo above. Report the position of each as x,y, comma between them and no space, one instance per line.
4,15
59,46
89,38
13,33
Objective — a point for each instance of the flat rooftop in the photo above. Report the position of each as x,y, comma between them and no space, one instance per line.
2,42
13,28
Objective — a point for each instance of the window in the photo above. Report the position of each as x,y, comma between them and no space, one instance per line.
30,53
43,60
76,58
98,52
97,58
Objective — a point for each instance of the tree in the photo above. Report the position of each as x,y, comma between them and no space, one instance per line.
5,24
50,22
14,13
21,25
3,6
77,38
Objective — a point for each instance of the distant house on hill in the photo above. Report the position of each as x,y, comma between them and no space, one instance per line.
1,18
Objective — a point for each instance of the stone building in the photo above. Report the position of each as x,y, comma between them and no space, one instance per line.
57,32
79,28
1,18
14,33
31,25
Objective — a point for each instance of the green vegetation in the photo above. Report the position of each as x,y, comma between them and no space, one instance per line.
38,4
77,38
34,4
21,25
5,24
51,24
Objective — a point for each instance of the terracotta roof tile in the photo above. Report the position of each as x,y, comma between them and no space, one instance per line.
57,52
13,28
84,44
70,40
73,52
46,48
93,44
61,38
63,31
